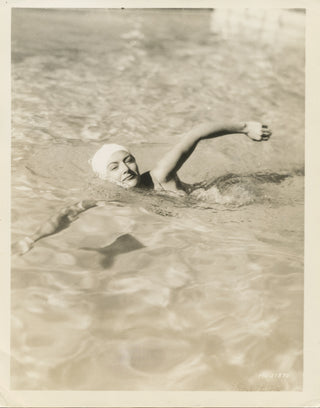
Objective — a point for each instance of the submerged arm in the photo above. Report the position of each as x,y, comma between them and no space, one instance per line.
175,158
55,224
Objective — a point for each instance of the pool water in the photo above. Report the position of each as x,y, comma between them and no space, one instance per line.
153,291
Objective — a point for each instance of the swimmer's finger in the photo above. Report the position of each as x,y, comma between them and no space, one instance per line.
262,138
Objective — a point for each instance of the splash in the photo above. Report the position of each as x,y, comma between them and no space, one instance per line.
245,189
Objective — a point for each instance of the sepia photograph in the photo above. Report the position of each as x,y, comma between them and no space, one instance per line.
157,199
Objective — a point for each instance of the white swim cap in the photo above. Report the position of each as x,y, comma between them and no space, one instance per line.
100,160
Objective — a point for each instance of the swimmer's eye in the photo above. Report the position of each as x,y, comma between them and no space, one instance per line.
129,159
111,168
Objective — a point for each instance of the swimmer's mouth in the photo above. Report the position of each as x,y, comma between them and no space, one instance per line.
129,177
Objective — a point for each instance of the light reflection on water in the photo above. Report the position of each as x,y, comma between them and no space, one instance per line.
156,292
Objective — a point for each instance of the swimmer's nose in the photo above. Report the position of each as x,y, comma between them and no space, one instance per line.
124,167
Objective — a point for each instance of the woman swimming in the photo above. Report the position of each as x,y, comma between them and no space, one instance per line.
115,164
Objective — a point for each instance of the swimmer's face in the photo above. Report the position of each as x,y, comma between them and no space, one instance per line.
122,169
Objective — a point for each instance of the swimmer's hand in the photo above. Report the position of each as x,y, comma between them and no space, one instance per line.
23,246
256,131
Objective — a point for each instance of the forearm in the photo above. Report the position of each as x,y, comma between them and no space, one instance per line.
55,224
211,130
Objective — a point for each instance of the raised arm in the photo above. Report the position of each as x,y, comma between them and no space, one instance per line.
55,224
168,166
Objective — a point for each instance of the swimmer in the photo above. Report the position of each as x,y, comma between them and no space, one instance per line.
115,164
